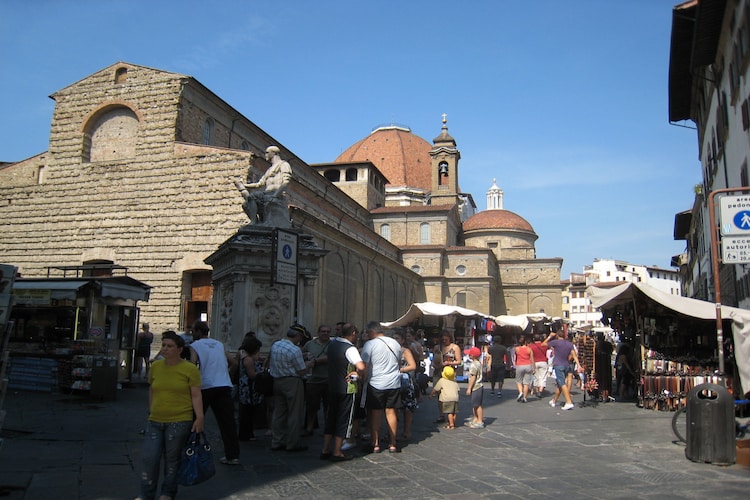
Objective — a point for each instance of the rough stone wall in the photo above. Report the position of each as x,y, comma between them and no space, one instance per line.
405,227
153,95
162,212
531,285
159,219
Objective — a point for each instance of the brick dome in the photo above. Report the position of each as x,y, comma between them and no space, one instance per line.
401,156
497,219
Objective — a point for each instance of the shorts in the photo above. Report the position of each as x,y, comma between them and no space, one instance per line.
560,372
449,406
497,374
476,397
377,399
524,374
540,374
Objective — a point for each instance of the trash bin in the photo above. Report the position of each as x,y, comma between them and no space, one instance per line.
104,378
710,425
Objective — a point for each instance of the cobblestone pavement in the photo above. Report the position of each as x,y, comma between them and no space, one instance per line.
74,447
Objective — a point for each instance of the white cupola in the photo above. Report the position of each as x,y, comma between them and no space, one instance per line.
494,197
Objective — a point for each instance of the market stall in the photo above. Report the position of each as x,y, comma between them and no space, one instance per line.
74,334
674,341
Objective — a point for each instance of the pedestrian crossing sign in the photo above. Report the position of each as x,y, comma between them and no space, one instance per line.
735,215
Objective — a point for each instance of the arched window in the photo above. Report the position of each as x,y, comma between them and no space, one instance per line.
385,231
111,135
424,233
332,175
351,174
208,131
121,75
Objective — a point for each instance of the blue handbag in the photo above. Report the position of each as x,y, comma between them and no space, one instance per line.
196,462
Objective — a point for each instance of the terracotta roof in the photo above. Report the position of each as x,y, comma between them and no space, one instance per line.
497,219
404,158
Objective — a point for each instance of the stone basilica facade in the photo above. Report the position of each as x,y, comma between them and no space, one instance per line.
140,173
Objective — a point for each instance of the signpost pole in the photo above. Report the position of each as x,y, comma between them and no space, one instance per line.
715,234
715,272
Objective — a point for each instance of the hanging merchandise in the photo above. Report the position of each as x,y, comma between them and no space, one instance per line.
671,343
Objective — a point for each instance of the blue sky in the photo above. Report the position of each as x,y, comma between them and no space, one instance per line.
564,103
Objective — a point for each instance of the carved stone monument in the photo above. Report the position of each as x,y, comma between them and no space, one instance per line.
247,297
266,205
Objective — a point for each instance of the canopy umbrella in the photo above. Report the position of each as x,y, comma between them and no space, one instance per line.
419,309
693,308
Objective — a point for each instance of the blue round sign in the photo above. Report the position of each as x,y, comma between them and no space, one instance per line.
286,251
742,220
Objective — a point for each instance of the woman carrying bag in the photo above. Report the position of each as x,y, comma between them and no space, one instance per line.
174,397
250,400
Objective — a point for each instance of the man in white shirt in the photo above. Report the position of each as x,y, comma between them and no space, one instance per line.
382,355
213,361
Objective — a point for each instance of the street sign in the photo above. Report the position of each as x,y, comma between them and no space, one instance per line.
285,263
735,249
735,215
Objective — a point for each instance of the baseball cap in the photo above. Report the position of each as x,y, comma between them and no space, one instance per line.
474,352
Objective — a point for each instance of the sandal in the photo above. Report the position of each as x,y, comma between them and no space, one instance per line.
393,449
376,449
449,427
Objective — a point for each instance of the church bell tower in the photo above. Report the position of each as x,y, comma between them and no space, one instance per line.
445,158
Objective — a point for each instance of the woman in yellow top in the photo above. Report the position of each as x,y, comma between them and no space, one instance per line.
174,399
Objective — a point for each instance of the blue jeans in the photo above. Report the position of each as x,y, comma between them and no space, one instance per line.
162,440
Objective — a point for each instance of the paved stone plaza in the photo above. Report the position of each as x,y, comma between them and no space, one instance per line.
73,447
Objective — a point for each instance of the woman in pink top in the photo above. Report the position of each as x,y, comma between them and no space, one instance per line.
540,365
524,363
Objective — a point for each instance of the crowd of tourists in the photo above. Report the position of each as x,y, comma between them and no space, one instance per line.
368,384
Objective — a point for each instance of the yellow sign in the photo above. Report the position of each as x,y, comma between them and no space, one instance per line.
33,297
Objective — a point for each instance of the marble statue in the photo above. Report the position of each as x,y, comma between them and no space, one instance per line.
265,202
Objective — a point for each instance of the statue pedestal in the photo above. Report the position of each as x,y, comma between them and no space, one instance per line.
246,298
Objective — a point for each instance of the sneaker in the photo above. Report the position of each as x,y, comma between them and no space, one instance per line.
229,461
500,395
520,396
492,393
347,446
568,406
476,425
552,403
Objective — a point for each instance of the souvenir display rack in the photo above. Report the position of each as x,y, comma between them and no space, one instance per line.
74,373
673,353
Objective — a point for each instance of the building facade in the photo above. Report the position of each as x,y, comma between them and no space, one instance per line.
577,307
709,70
140,173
